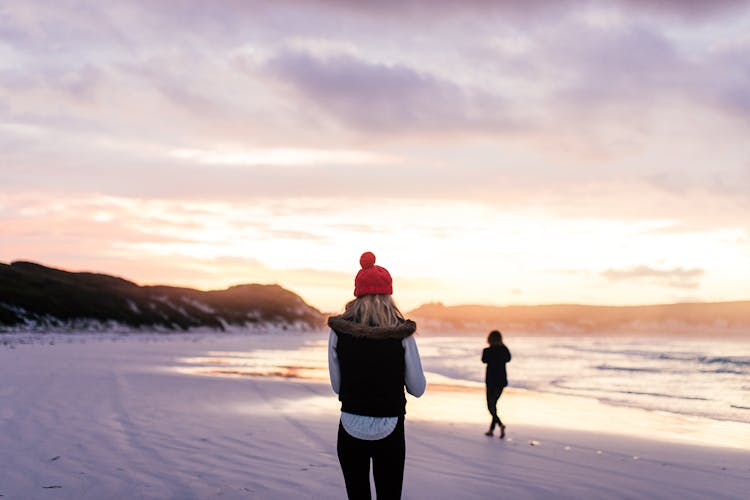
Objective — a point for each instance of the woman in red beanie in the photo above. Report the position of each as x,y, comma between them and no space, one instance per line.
372,355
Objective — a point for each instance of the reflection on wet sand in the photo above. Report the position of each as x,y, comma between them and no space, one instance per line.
283,372
305,363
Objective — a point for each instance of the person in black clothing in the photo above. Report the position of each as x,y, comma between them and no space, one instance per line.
496,377
372,356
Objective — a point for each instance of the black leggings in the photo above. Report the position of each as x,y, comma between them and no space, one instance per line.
493,394
387,456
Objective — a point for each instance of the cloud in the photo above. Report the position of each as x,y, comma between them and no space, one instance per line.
728,77
629,62
79,81
688,9
173,58
557,109
390,98
732,184
426,10
692,10
282,157
677,277
638,65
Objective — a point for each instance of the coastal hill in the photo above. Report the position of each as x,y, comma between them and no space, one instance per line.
38,298
700,319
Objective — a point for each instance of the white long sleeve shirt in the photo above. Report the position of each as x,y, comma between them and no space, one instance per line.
372,428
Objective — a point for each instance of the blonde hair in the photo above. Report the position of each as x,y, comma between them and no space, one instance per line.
373,310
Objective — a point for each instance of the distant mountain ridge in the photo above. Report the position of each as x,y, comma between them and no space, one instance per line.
38,298
684,319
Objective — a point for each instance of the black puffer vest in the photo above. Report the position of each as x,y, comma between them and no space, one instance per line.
372,366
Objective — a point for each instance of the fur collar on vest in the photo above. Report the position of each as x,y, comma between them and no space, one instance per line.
341,325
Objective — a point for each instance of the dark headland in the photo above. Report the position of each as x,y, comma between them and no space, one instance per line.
34,297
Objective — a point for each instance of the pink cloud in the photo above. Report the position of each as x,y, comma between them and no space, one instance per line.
388,98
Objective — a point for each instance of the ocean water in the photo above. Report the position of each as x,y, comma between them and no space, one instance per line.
692,377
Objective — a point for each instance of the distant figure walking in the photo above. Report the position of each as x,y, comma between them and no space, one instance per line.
372,354
496,377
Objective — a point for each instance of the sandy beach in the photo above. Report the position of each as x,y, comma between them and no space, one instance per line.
93,417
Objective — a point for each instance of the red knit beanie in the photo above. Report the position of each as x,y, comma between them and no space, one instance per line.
372,279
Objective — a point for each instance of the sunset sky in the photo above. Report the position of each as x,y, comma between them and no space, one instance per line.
493,152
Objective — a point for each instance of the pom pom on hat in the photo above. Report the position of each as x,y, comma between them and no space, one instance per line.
367,260
372,279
